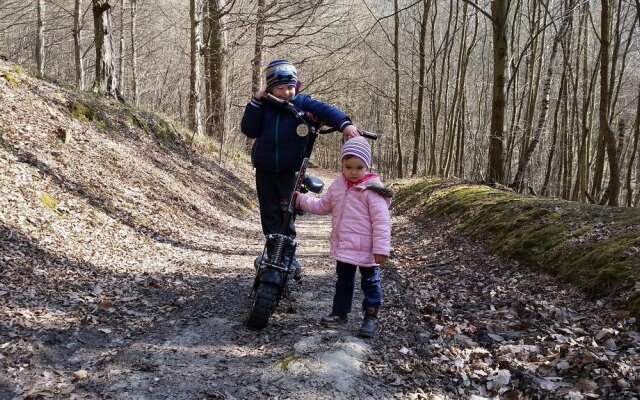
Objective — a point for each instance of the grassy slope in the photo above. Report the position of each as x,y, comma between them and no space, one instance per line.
595,247
124,163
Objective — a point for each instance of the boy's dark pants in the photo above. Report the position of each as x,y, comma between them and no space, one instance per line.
274,188
369,282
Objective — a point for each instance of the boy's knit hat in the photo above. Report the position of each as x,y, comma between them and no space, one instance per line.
280,72
359,147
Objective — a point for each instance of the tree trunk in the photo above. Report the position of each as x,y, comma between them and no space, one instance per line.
443,88
40,41
417,129
396,70
77,43
632,157
564,172
206,57
534,71
636,201
613,188
106,80
554,140
585,118
195,81
121,51
256,63
217,53
134,55
518,181
500,52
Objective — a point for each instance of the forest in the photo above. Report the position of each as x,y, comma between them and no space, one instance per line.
540,95
129,222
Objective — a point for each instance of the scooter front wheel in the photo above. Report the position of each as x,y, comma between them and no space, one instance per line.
264,304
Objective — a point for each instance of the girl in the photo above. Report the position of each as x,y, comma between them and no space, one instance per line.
360,232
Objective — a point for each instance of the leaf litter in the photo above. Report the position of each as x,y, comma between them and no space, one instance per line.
485,327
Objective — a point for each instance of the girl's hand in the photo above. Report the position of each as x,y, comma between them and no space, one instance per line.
380,259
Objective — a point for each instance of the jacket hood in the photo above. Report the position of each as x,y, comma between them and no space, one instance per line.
374,184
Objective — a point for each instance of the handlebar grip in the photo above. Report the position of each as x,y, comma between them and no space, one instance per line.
273,99
369,135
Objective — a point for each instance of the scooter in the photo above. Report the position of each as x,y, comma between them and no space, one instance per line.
273,268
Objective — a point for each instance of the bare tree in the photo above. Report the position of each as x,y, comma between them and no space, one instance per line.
396,70
256,63
499,12
417,130
606,132
40,40
106,79
134,52
77,43
121,51
216,63
195,80
518,181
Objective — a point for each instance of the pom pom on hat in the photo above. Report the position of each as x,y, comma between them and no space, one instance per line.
280,72
359,147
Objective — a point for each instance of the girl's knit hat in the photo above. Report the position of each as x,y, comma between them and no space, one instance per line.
359,147
280,72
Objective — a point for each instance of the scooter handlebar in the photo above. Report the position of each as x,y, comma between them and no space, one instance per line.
283,103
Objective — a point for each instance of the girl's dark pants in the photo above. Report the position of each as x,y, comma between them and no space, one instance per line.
369,282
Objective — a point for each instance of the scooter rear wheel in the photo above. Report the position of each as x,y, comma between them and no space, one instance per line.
264,304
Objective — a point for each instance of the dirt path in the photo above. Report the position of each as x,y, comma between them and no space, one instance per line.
205,350
126,260
200,347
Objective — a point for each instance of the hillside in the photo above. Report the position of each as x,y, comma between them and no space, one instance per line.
596,248
126,259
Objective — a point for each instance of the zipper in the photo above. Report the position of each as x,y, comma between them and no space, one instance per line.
277,133
344,204
254,150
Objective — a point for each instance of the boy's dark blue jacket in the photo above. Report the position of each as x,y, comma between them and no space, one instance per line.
277,147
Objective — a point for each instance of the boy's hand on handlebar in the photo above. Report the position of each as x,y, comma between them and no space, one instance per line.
350,131
260,95
380,258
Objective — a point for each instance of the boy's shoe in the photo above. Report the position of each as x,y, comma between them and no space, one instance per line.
334,319
369,325
297,269
297,274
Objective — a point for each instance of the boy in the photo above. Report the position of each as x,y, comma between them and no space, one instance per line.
278,149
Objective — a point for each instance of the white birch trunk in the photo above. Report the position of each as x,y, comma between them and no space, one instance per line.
40,40
121,51
518,181
77,43
134,55
195,96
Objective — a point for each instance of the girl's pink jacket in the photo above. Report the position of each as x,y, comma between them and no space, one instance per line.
360,223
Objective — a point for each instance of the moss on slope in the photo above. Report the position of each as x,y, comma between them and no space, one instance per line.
594,247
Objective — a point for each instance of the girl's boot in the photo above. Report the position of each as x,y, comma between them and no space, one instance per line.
369,325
